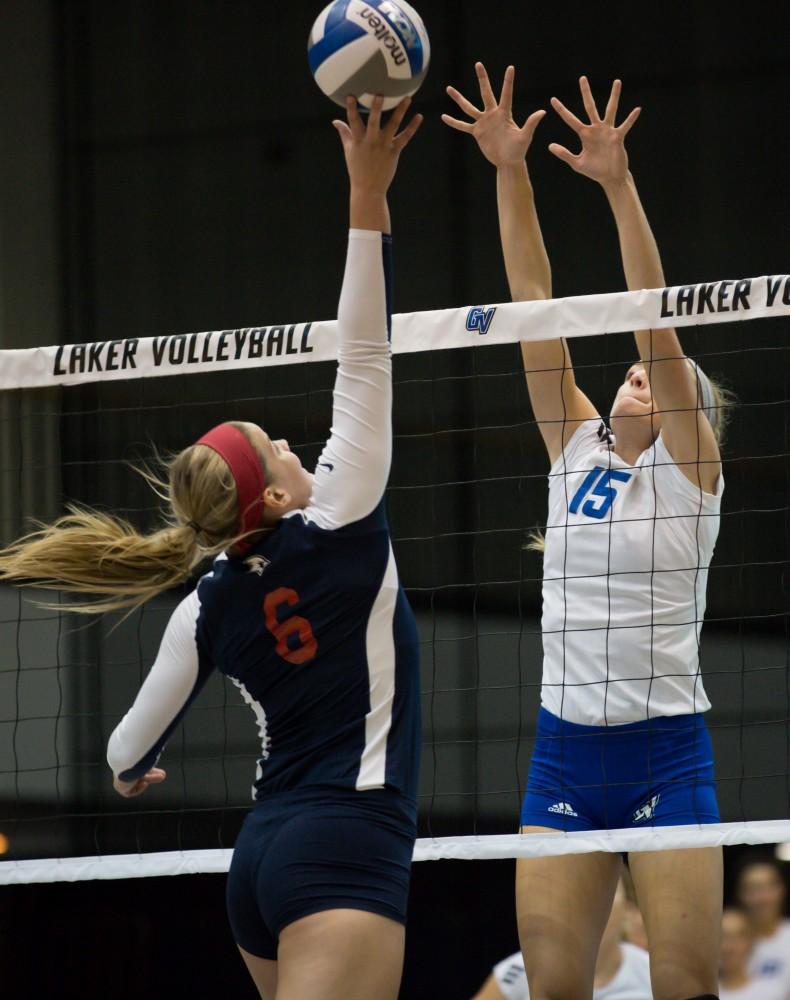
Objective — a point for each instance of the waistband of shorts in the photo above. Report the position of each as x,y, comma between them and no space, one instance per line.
551,725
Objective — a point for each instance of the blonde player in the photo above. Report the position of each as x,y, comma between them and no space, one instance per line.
633,518
622,970
303,611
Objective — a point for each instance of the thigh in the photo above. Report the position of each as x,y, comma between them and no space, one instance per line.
340,955
263,972
563,904
680,897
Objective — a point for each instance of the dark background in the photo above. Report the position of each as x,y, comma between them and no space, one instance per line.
169,167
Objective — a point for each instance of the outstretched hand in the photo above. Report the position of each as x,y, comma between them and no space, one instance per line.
603,157
372,150
129,789
501,141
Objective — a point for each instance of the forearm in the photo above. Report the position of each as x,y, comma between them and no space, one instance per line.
353,469
526,261
641,259
641,263
174,681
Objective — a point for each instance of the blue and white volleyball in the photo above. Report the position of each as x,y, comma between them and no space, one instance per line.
364,49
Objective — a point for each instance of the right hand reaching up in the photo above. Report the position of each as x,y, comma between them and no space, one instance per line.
372,150
500,140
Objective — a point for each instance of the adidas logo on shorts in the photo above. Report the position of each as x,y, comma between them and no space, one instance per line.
563,808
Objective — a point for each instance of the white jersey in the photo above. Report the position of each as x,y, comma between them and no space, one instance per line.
625,571
631,981
770,959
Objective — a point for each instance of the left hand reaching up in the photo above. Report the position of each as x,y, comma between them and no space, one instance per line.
131,788
603,157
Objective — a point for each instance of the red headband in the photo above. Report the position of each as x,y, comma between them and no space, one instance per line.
247,471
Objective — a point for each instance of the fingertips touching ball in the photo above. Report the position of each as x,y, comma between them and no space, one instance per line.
364,49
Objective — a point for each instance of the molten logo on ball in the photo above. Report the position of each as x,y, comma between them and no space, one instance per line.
382,34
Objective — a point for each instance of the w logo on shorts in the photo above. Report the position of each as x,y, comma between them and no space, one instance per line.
647,811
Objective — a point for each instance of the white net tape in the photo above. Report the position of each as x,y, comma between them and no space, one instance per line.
590,315
437,330
494,847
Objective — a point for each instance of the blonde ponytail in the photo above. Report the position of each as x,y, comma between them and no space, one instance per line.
90,552
536,541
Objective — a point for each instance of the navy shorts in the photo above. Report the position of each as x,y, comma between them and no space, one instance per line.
307,851
653,773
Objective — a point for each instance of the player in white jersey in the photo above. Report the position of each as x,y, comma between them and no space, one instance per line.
633,518
303,611
762,893
622,970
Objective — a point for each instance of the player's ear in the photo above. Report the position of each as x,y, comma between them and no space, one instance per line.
276,497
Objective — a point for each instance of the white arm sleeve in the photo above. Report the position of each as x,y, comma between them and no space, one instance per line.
173,681
354,466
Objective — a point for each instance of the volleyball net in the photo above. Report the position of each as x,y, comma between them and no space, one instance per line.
468,485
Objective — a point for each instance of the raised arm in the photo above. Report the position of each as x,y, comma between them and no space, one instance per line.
685,429
559,405
352,471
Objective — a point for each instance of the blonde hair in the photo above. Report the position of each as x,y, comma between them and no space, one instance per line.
91,552
724,401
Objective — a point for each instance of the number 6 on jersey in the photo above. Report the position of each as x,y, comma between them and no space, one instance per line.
291,625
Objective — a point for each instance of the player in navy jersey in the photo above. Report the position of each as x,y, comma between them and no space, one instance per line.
633,519
303,611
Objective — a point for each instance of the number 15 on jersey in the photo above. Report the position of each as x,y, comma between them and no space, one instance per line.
597,484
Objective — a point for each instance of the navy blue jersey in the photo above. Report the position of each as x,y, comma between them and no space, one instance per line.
311,623
316,632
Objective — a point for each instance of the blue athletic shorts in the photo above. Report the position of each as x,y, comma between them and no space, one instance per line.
653,773
312,850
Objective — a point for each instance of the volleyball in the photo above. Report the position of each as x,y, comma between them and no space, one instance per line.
364,49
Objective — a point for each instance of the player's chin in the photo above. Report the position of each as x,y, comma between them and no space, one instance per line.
627,406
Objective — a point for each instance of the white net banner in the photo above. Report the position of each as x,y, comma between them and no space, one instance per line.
491,847
440,329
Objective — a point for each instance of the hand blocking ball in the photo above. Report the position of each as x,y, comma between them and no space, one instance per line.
364,49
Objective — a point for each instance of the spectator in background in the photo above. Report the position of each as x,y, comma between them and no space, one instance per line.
761,891
622,971
736,982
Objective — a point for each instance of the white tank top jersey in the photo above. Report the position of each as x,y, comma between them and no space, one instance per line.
631,982
625,572
770,959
